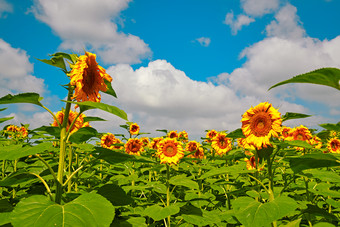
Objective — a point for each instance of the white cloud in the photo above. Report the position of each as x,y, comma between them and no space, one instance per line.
238,23
259,7
204,41
90,24
15,74
286,25
5,7
35,120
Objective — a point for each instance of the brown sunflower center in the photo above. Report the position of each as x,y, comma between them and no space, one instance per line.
222,143
299,137
261,124
134,147
335,145
170,150
90,75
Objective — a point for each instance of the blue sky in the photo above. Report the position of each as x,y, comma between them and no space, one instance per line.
181,65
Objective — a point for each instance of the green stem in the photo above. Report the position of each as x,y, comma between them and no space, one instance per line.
168,190
271,184
48,166
61,166
3,168
45,184
69,186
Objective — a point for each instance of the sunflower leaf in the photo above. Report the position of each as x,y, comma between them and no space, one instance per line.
110,90
88,105
72,57
324,76
289,116
5,119
334,127
56,61
33,98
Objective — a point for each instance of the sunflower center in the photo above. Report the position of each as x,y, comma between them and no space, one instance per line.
135,147
170,150
261,124
334,145
222,143
90,76
299,137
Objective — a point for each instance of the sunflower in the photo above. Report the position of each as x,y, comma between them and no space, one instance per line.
79,123
23,131
88,78
196,147
145,141
333,145
134,129
301,133
260,123
183,136
134,146
15,131
221,143
155,142
286,133
170,151
109,141
251,164
210,134
316,142
173,134
242,142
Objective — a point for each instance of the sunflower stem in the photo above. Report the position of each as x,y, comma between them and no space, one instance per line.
62,153
168,189
271,184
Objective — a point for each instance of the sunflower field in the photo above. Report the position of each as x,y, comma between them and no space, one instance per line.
69,174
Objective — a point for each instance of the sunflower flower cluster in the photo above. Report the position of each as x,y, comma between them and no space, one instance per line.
74,121
109,141
13,131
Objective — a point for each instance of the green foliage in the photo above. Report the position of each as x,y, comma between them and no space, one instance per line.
32,98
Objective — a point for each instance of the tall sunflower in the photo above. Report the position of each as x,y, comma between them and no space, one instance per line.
210,134
134,129
134,146
260,123
88,78
170,151
221,143
301,133
333,145
196,147
173,134
79,123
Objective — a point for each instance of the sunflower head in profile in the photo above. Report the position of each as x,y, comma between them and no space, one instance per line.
260,123
221,143
134,146
333,145
134,129
301,133
286,133
155,142
196,149
170,151
79,123
183,136
88,78
109,141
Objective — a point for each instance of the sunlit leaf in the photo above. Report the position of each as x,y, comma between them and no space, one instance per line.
253,213
236,134
183,181
58,60
87,210
13,152
83,134
110,90
88,119
88,105
157,212
289,116
334,127
325,76
5,119
51,130
33,98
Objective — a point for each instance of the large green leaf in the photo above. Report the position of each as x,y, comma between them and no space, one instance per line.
334,127
87,210
115,194
253,213
83,134
58,60
33,98
13,152
183,181
157,212
51,130
325,76
110,90
311,161
16,178
289,116
236,134
87,105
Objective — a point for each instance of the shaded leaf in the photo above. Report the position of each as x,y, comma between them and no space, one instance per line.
334,127
183,181
87,210
290,116
83,134
325,76
311,161
51,130
115,194
16,178
13,152
236,134
5,119
33,98
110,90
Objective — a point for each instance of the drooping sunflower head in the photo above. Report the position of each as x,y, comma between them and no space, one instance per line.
79,123
183,136
260,123
333,145
195,147
155,142
221,143
134,129
88,78
134,146
170,151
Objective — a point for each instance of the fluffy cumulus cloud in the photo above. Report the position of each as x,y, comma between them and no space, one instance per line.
91,24
237,23
5,7
15,74
259,7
